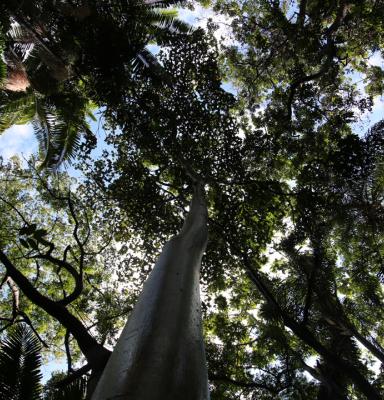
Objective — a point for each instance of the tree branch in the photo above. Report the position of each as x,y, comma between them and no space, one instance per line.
68,351
302,10
93,351
340,16
9,204
330,49
74,375
15,297
243,384
308,337
29,322
68,267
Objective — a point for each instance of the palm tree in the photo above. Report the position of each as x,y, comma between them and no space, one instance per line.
43,72
58,123
20,362
58,118
20,377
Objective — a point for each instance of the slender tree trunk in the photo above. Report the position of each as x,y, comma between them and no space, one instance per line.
160,353
303,333
376,350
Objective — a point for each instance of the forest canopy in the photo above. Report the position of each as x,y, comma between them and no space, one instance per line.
273,116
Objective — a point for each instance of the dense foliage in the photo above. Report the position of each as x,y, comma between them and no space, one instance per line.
293,272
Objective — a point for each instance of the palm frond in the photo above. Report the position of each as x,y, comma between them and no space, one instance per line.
170,12
23,40
3,71
3,66
167,21
20,362
91,115
145,60
17,111
46,128
163,3
147,64
18,34
59,137
43,126
66,143
76,390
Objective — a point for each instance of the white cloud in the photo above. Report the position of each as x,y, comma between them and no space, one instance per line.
18,140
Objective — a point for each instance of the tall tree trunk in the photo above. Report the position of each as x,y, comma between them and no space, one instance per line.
160,353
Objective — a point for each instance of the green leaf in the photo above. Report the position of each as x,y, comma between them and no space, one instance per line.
375,77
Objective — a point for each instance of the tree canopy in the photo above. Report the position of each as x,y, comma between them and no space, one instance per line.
292,276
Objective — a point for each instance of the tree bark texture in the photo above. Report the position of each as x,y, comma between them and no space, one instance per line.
160,353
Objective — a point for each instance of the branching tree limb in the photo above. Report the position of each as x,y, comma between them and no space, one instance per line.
93,351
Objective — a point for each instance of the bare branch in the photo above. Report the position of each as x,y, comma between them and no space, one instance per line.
37,272
68,351
126,311
29,322
93,351
9,204
75,375
302,10
3,280
68,267
243,384
15,297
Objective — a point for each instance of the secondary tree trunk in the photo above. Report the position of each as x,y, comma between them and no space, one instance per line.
160,353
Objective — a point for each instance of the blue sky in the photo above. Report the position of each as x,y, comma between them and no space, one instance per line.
377,114
18,140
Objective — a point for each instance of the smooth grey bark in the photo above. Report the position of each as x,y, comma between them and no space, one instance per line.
160,353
